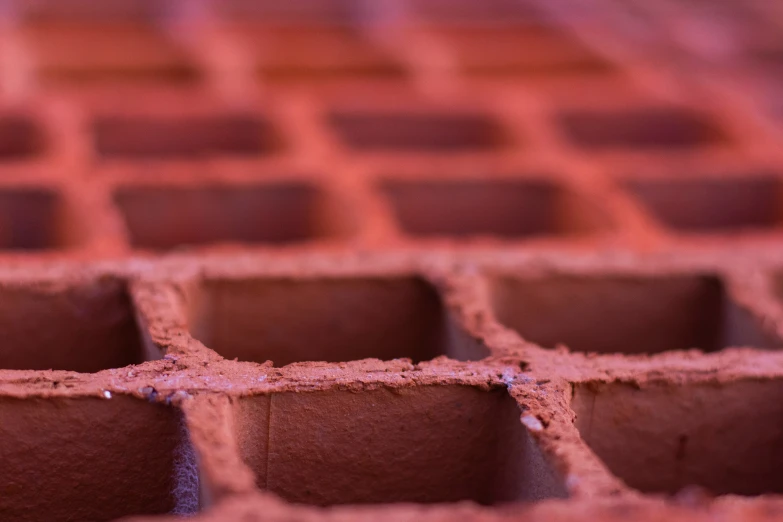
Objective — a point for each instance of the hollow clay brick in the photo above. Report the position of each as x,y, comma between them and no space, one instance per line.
423,260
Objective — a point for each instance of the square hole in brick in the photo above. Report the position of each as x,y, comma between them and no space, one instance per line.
767,56
167,217
85,327
315,53
713,204
470,12
32,219
197,137
525,50
423,133
424,444
94,459
629,314
502,208
328,319
646,128
726,437
777,285
93,10
108,53
20,138
337,12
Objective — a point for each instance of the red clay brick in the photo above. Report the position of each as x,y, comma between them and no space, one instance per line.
432,260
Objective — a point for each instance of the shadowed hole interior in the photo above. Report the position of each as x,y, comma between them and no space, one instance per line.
90,458
409,132
32,219
712,204
311,53
465,12
93,10
726,437
85,326
625,314
161,218
326,12
115,53
777,285
185,137
422,444
502,208
528,50
20,138
327,319
769,57
643,128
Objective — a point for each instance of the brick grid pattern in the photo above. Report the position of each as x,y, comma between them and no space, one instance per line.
188,197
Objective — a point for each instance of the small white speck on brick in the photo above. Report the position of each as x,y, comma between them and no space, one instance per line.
107,394
532,423
186,483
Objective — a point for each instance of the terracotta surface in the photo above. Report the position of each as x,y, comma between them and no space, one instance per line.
424,260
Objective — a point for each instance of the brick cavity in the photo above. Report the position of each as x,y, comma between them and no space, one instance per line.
426,444
34,219
712,204
628,314
726,437
93,459
502,208
170,217
86,326
643,128
328,319
20,138
87,53
418,132
183,137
